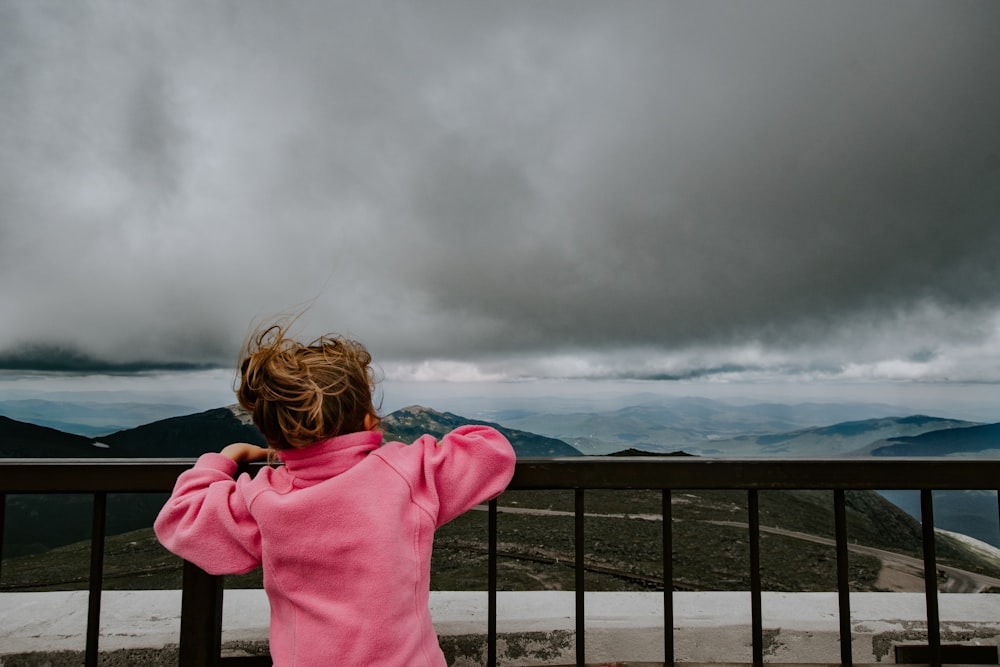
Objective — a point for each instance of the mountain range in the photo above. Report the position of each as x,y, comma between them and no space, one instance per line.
191,435
855,438
980,439
39,523
697,428
410,423
714,428
90,418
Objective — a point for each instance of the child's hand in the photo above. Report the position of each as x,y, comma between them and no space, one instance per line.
243,452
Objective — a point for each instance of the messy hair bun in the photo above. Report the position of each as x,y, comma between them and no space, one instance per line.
300,394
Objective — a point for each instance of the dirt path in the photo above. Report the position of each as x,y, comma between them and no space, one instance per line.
540,512
899,572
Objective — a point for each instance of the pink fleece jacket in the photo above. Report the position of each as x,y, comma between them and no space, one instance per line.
344,533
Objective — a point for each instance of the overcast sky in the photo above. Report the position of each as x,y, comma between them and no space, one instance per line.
518,189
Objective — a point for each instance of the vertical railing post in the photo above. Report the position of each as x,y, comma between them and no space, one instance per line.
3,512
580,584
843,579
930,577
756,614
668,579
491,585
201,618
96,582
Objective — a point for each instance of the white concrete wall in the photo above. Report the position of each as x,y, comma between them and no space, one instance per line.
709,627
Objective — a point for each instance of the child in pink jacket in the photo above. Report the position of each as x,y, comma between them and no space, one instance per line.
344,528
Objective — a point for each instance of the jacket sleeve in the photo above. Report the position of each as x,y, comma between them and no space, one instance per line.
207,520
466,467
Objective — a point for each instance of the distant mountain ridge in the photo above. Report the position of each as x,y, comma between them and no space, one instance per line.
89,418
969,440
23,440
40,523
37,523
409,423
842,439
187,436
175,437
713,428
191,435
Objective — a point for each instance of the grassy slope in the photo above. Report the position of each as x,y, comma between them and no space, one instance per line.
537,550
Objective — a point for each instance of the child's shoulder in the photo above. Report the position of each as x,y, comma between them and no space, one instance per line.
266,478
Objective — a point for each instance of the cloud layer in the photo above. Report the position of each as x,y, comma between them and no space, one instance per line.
589,189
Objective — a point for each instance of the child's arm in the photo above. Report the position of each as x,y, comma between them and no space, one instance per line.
243,452
206,520
467,466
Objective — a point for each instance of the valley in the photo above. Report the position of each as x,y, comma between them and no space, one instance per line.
45,544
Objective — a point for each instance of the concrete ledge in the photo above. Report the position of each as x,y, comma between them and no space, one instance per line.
534,628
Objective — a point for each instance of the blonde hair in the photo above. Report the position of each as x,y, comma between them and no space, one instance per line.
300,394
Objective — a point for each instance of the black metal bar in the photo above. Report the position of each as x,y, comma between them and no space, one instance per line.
843,579
96,582
3,513
668,579
491,585
756,615
865,474
89,475
888,473
201,618
930,577
580,584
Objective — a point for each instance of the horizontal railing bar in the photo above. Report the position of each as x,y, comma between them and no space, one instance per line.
601,472
590,472
90,475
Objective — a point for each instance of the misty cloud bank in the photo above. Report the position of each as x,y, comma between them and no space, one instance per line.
485,190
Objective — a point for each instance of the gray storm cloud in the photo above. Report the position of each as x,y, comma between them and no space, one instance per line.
468,181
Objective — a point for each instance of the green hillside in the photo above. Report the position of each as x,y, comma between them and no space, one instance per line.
711,550
45,541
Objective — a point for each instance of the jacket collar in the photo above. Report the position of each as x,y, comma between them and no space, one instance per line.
330,457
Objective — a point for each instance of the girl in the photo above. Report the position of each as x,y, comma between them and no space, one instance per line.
344,528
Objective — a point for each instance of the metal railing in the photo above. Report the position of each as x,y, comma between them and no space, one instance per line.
201,613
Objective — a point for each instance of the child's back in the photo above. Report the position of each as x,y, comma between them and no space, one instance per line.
344,532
